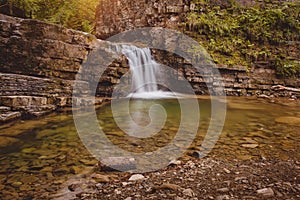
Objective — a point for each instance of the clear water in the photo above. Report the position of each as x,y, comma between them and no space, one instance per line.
48,152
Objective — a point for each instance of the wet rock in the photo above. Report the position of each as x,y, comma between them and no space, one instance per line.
61,171
267,192
91,162
25,188
242,106
28,150
47,169
136,177
27,179
75,170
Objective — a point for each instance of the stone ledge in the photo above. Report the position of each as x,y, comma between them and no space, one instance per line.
9,116
16,102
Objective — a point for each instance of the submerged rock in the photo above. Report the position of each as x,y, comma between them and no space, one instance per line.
7,141
99,178
17,184
250,145
294,121
117,163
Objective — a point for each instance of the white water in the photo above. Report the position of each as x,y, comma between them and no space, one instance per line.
145,72
143,67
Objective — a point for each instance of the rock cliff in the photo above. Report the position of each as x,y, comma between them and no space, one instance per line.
39,62
38,65
115,16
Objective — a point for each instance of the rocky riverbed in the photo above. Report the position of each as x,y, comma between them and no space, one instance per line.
208,178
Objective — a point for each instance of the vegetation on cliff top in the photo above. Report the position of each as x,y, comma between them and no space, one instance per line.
237,32
74,14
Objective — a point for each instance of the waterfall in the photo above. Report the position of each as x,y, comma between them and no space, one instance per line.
143,67
146,73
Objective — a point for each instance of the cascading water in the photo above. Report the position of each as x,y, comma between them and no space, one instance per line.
146,75
143,67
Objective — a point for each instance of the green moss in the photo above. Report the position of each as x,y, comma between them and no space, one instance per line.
236,34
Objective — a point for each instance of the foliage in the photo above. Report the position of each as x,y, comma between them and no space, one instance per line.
237,34
75,14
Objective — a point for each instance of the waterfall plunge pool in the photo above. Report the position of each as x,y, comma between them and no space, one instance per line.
39,156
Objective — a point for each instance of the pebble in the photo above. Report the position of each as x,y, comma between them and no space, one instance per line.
170,186
223,190
136,177
47,169
126,183
188,192
118,192
252,146
240,178
75,170
223,197
16,184
178,198
227,170
175,163
267,192
73,187
99,178
88,162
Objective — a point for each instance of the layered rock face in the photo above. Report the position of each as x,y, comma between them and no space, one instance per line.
260,80
38,65
115,16
40,61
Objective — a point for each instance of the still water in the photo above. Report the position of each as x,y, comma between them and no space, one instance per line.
38,156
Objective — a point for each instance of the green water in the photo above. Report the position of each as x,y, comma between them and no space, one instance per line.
38,156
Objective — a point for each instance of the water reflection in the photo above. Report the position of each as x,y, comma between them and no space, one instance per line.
46,152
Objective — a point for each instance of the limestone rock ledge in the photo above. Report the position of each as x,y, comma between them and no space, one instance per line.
38,65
